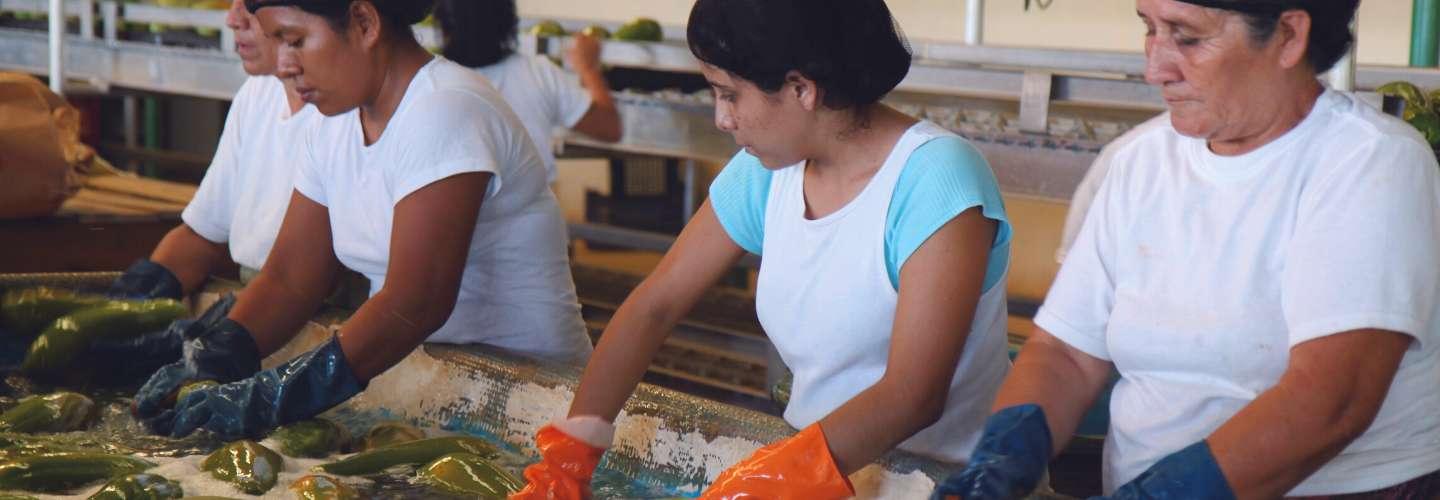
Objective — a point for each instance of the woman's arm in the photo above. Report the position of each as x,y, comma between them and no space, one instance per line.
701,256
297,274
1062,380
602,121
1327,398
429,246
940,286
189,256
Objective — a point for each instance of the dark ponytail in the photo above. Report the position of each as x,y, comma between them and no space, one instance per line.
478,33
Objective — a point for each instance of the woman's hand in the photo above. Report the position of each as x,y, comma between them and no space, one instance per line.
602,121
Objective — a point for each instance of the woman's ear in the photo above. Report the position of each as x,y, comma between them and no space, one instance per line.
365,23
804,90
1293,35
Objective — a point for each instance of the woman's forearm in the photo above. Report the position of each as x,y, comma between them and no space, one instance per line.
189,256
1327,398
879,419
274,312
382,333
624,353
1061,380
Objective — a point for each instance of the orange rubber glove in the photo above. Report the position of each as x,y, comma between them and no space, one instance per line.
797,468
565,470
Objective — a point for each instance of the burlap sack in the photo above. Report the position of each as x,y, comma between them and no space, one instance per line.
42,161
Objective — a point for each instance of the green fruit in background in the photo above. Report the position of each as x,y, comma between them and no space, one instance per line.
641,30
1428,123
211,5
596,31
1413,95
547,28
468,476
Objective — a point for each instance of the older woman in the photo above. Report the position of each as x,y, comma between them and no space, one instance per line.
1263,272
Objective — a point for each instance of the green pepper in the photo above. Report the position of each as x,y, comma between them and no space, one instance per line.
780,393
322,488
61,352
26,312
466,475
411,453
139,487
59,412
596,31
63,471
390,433
17,497
314,438
252,467
547,28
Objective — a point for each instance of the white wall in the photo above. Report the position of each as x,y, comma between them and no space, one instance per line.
1079,24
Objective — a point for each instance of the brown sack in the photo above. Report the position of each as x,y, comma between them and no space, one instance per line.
42,161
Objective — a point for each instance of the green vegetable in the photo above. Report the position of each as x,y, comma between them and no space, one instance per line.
315,438
547,28
63,471
253,468
596,31
641,30
466,475
26,312
322,488
412,453
62,351
1413,95
17,497
139,487
390,433
780,393
59,412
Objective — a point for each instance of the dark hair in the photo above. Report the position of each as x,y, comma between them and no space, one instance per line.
1330,35
399,14
477,33
853,49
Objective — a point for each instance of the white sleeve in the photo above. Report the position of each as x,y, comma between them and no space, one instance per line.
1085,192
212,211
455,132
571,98
1364,250
308,179
1077,307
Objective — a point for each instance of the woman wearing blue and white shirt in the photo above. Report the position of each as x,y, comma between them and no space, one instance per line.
885,248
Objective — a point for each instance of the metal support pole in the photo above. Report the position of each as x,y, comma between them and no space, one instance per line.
689,209
57,46
130,116
87,20
1424,44
974,22
110,12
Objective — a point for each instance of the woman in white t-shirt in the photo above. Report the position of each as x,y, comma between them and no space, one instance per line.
481,34
422,179
1263,272
885,249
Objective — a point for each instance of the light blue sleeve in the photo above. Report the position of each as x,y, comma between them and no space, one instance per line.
738,196
943,178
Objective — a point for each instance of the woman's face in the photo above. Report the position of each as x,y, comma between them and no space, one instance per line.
257,53
770,127
1209,71
330,69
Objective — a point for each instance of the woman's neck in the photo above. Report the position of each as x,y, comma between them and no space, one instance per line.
847,149
1286,114
400,63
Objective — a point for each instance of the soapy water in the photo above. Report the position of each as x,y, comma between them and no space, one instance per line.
179,459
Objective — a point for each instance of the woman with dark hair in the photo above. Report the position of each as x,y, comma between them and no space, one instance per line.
885,249
1261,268
422,179
481,34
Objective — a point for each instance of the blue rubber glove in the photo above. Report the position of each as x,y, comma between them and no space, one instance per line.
1190,473
142,357
145,280
1009,461
298,390
224,353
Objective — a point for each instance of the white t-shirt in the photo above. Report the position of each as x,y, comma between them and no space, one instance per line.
543,95
516,292
1196,273
1090,184
243,198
